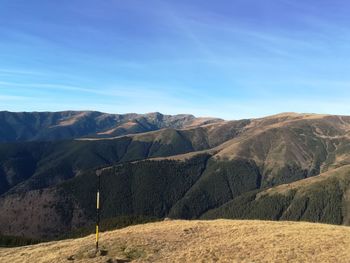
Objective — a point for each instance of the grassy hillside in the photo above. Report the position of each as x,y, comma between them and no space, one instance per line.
107,224
199,241
12,241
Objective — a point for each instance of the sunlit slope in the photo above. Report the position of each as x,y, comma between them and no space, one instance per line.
272,151
51,126
200,241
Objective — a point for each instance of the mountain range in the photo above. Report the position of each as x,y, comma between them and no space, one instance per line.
48,126
284,167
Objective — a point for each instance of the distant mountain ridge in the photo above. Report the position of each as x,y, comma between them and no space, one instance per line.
50,126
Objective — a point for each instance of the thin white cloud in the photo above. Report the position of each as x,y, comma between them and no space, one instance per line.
12,97
136,93
11,71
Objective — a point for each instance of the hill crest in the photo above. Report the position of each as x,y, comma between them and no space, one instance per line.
198,241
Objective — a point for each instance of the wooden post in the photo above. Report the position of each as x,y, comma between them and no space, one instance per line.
98,173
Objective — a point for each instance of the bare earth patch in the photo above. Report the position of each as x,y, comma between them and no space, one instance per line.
199,241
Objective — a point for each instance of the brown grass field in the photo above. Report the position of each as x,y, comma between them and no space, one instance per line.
199,241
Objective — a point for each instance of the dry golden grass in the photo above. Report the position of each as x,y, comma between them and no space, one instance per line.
200,121
200,241
71,120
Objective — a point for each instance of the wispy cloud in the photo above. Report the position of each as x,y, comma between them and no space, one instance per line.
11,98
130,92
11,71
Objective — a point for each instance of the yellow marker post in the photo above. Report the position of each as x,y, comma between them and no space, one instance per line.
98,173
97,237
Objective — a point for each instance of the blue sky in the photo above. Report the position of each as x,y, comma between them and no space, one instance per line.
231,58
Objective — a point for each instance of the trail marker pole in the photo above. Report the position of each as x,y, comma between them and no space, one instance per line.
98,173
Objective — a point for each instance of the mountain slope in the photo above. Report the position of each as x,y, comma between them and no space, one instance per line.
35,165
198,241
323,198
272,151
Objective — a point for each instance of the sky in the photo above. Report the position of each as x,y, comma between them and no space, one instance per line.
227,58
